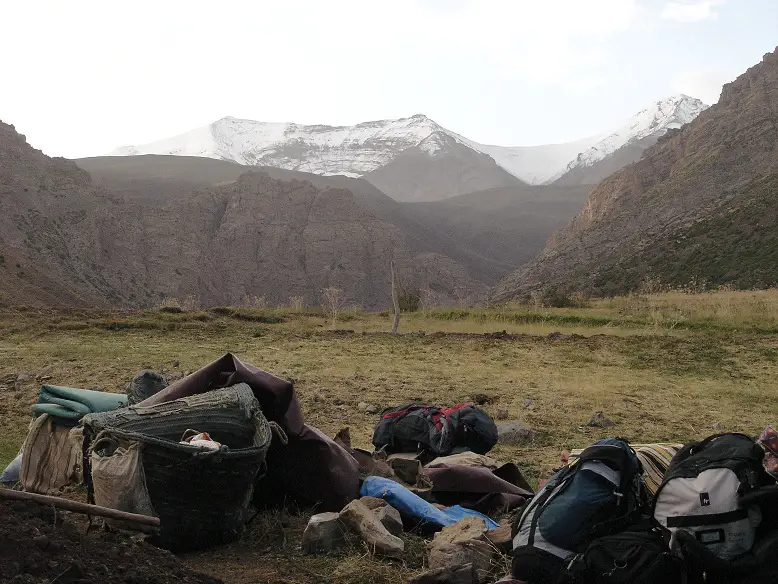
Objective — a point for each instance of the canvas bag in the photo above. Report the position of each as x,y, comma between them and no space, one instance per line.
701,494
118,479
597,495
52,456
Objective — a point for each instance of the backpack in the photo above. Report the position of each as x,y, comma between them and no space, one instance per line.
417,427
472,428
701,495
638,555
413,428
597,495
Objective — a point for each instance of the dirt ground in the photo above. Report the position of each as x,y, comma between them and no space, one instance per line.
39,545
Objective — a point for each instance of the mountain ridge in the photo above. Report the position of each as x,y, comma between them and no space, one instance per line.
367,147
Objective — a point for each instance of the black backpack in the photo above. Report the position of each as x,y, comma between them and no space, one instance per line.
413,428
421,427
597,495
637,555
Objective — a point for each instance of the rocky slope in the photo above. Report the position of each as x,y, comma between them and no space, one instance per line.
414,158
511,224
59,234
150,229
701,204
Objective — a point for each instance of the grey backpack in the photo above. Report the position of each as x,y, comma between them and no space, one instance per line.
705,495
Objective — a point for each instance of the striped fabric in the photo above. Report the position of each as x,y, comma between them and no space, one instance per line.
654,457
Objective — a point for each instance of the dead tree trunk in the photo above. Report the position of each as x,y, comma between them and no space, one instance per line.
395,301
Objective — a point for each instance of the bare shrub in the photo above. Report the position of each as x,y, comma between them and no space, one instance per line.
333,302
296,303
256,302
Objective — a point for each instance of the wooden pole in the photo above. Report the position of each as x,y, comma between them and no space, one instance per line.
395,301
78,507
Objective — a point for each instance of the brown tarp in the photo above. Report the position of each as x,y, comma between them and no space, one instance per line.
477,488
311,466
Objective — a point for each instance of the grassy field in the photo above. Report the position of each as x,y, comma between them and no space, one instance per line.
667,367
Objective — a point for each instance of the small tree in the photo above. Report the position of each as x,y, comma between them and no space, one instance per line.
333,302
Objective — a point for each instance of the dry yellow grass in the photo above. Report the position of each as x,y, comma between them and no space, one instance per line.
657,382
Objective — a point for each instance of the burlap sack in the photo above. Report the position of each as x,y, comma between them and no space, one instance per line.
118,478
51,456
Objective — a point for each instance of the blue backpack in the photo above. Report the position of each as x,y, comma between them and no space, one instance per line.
597,495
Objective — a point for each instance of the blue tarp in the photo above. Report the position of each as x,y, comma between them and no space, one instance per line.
411,505
10,475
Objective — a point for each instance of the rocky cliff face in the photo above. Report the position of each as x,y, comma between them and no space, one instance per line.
59,234
700,204
218,234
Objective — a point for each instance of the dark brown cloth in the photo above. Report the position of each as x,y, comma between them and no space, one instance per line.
311,466
476,488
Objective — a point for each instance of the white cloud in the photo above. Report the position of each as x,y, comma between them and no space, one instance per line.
691,10
703,84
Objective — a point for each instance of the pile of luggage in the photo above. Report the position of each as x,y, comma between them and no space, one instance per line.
713,518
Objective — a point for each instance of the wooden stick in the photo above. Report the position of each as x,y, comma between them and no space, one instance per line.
77,507
395,301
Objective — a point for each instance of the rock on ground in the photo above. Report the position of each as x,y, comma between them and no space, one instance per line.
464,574
362,521
514,432
390,518
600,421
324,532
478,553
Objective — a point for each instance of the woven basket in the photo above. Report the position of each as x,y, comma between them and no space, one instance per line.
202,497
226,414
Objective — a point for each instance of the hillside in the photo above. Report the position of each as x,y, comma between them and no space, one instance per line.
700,205
151,228
59,234
510,223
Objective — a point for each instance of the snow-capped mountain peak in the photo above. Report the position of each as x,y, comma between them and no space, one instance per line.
360,149
651,122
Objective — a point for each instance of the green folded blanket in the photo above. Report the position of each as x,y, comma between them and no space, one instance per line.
72,404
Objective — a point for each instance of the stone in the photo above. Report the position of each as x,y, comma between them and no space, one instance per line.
481,399
514,432
468,528
324,532
464,574
373,503
478,553
24,377
600,421
528,403
362,521
176,364
501,415
390,518
367,408
500,538
41,541
175,375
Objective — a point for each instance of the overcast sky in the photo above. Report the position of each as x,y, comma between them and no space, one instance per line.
82,77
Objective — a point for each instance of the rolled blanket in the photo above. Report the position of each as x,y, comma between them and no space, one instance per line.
72,404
